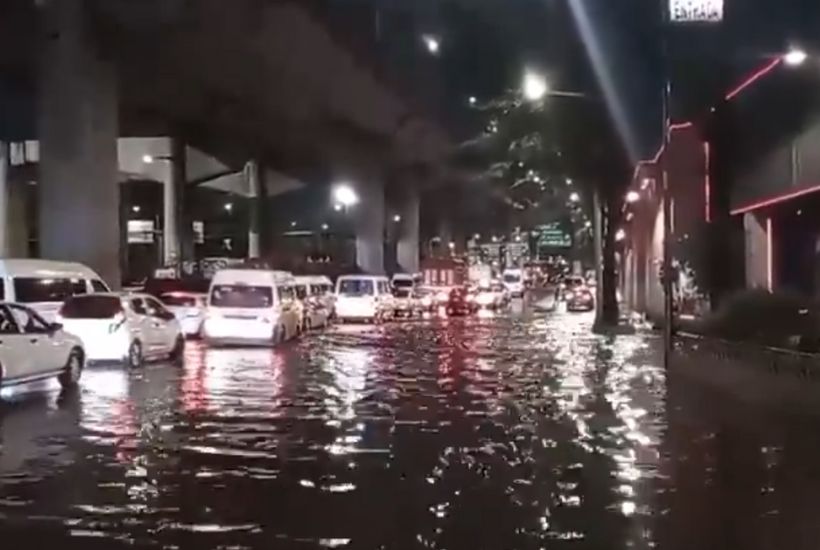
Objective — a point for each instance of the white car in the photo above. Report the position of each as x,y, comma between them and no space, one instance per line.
364,298
316,300
189,309
514,282
491,295
130,328
32,349
251,307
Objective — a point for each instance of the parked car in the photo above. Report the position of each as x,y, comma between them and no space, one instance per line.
514,282
44,285
460,302
314,308
189,309
405,281
426,297
406,302
128,328
321,288
491,295
364,297
251,306
33,349
570,284
581,299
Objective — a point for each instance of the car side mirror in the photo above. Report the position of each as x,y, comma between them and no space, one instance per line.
55,327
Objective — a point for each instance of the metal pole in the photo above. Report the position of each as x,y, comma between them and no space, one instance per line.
667,202
597,239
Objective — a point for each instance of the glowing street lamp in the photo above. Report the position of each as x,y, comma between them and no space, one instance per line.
620,235
473,100
397,218
574,197
432,43
147,159
633,197
345,195
228,207
795,57
534,86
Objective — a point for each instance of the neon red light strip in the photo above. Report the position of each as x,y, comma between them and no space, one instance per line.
754,77
769,256
707,181
775,200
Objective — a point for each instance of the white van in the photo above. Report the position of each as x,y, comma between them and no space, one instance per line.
315,293
364,297
251,306
44,285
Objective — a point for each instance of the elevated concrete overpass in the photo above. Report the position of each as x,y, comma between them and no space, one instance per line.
240,81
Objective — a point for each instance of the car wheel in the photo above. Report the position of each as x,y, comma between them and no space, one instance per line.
177,355
73,370
135,358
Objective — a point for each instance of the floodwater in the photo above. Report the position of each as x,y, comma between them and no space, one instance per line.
516,431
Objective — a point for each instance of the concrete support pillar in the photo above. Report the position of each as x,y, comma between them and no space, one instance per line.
407,244
369,223
170,225
5,194
184,220
252,173
759,262
78,127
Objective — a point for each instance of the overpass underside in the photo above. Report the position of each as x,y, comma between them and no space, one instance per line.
257,82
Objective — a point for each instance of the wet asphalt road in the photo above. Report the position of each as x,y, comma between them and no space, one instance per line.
514,432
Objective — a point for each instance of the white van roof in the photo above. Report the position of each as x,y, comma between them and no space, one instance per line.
251,277
29,267
362,277
313,280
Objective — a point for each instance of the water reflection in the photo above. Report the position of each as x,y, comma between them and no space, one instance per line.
518,430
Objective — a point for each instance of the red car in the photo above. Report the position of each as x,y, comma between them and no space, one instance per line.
580,299
459,302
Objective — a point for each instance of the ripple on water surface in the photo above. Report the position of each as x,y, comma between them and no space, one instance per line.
498,432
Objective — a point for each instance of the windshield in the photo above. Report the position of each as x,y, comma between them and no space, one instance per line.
31,290
91,307
403,283
356,287
402,293
242,296
512,278
177,300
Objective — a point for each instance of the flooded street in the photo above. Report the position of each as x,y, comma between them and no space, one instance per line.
514,432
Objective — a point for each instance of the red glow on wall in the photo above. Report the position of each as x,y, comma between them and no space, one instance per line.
707,181
754,77
775,200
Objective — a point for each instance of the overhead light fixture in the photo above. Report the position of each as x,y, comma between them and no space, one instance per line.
147,159
795,57
534,86
633,196
433,43
345,195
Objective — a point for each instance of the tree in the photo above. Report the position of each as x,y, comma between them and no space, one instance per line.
528,152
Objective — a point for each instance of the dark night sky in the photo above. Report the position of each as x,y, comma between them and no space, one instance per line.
486,44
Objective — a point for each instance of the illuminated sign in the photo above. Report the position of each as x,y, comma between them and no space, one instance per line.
696,11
